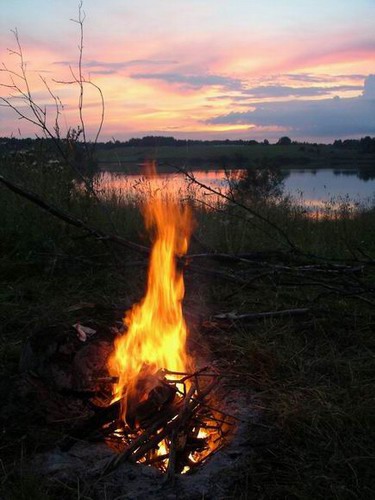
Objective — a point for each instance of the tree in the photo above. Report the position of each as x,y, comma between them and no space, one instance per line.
284,141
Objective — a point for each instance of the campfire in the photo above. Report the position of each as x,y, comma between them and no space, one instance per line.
167,416
135,384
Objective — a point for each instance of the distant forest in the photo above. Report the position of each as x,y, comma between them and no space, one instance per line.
365,144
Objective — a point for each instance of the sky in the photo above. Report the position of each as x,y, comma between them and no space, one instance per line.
197,69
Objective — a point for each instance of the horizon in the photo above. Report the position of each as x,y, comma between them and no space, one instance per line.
220,70
253,142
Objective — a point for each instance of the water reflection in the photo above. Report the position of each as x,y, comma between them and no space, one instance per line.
331,186
258,184
314,189
135,188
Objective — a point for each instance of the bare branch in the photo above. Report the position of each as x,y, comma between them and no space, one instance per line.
58,104
190,176
20,87
80,80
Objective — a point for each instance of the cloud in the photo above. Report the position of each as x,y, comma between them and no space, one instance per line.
266,91
241,92
274,87
339,50
110,68
333,117
193,81
310,78
369,87
306,77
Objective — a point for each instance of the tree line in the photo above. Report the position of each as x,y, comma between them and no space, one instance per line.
365,144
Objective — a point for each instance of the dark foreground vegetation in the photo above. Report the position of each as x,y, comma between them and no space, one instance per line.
311,376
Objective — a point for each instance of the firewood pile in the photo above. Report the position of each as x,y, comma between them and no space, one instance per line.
175,428
175,422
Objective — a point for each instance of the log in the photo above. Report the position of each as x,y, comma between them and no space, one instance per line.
269,314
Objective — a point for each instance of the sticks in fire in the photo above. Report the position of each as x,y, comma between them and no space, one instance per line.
183,433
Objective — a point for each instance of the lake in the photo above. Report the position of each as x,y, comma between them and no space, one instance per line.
311,188
317,187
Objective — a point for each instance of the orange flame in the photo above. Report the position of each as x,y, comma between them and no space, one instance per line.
156,336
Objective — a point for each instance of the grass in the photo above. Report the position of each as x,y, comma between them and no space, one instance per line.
311,378
235,156
314,383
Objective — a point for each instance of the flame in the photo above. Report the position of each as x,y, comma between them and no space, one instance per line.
156,330
203,434
152,354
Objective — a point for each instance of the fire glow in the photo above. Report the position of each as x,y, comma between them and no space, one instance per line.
164,419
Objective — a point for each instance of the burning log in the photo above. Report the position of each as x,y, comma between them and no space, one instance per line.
160,399
172,439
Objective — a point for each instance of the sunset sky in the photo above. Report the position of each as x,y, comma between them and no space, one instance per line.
201,68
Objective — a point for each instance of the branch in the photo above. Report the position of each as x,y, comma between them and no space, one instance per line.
262,315
231,199
70,219
97,233
19,84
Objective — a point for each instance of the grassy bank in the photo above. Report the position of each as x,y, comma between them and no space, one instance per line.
310,378
235,156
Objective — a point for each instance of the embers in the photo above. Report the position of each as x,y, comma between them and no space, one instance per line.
172,426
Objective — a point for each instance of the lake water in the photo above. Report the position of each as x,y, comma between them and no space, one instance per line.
311,188
317,187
